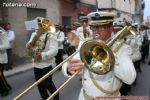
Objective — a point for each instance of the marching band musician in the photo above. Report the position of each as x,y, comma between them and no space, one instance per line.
134,42
44,58
145,42
125,88
117,26
72,40
60,37
109,83
84,31
74,27
4,44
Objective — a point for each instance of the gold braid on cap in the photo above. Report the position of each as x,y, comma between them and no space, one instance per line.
101,22
118,27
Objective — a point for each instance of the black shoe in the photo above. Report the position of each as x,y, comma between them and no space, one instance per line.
5,94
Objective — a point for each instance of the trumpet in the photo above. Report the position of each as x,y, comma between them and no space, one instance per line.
98,58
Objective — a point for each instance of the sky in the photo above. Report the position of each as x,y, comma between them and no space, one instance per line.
147,9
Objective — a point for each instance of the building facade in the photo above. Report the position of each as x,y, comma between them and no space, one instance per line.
70,10
58,11
147,22
17,15
124,9
139,11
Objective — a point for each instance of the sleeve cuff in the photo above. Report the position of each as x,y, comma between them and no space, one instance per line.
65,71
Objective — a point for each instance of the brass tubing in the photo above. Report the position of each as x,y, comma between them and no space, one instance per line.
63,85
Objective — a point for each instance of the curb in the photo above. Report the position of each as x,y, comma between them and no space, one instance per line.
18,70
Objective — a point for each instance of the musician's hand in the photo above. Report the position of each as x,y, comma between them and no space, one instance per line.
28,45
38,56
74,65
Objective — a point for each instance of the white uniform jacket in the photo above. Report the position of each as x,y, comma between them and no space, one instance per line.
50,51
135,42
4,44
79,33
60,36
148,34
123,71
11,37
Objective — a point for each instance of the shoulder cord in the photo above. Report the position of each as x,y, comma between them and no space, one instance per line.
111,92
58,34
45,41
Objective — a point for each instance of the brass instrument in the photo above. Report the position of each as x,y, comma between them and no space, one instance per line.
37,42
98,58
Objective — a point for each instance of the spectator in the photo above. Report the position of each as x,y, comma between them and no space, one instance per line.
60,36
4,86
11,38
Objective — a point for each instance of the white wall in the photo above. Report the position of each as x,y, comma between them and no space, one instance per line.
92,2
125,6
17,16
104,3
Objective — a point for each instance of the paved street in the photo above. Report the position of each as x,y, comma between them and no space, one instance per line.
21,81
142,88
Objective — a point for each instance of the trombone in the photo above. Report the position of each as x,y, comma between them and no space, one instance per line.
96,52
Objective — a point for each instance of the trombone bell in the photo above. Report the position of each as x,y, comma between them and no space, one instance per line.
97,56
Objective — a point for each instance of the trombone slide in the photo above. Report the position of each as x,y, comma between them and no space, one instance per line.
44,77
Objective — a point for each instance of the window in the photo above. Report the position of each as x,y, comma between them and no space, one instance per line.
35,12
32,13
66,20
